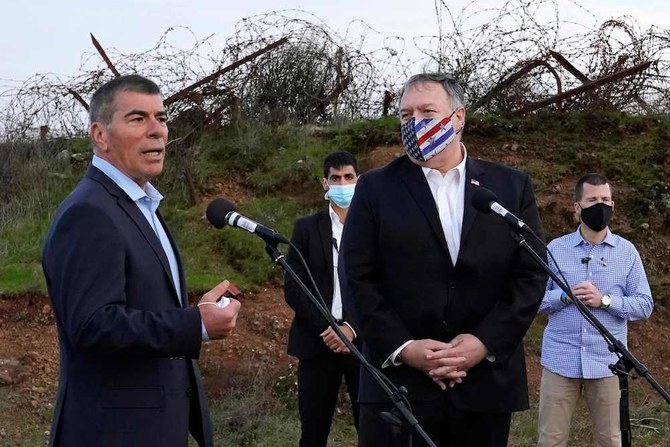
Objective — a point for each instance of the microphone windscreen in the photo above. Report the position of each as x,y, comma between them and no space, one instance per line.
217,211
482,198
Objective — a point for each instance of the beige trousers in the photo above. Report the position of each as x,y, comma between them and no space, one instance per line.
558,399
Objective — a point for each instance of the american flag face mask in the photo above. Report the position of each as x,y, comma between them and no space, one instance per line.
423,139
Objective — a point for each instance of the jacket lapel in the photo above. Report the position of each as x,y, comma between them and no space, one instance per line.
180,268
417,185
131,209
473,174
326,237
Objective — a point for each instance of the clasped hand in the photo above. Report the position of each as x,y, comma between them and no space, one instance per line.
333,341
445,363
588,294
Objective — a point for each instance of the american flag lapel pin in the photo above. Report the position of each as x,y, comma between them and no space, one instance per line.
474,182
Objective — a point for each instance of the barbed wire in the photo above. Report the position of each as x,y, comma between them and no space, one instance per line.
504,56
489,45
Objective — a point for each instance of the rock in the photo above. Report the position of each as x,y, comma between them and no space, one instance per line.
11,371
644,226
315,130
665,202
80,157
63,155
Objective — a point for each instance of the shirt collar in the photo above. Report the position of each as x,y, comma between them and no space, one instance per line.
333,215
459,167
577,238
124,182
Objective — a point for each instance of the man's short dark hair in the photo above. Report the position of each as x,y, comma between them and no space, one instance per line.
594,179
448,82
338,160
101,109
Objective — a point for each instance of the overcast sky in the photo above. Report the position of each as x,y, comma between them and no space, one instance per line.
42,36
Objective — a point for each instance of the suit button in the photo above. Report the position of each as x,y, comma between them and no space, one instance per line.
189,392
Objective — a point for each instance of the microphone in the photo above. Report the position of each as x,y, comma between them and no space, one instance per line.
587,259
221,212
485,201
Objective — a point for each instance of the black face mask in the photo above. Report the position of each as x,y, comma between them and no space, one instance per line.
597,216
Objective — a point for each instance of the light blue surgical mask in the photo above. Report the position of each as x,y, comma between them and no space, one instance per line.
341,195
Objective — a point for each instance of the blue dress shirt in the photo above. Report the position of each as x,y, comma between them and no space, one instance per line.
571,347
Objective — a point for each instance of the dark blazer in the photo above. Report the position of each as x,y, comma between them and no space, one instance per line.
403,285
127,377
312,236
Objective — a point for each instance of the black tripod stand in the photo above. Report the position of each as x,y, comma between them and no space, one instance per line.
401,416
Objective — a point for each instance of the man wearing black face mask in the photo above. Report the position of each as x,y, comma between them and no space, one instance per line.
604,272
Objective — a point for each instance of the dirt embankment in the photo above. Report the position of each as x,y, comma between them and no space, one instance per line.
28,332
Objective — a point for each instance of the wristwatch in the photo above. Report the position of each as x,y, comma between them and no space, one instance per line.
605,301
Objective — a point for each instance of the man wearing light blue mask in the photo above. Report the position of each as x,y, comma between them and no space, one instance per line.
340,184
323,358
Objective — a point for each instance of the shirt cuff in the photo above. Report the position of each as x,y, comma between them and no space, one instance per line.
205,335
617,303
561,299
394,359
352,329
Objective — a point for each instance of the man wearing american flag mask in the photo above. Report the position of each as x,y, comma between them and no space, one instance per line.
443,294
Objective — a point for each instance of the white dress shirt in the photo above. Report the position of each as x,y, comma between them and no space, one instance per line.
449,194
336,229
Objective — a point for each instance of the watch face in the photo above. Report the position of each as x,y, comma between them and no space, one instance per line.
606,301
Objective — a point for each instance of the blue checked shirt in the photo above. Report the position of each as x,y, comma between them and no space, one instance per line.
571,347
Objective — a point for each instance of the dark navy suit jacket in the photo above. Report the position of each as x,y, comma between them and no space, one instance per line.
127,344
403,285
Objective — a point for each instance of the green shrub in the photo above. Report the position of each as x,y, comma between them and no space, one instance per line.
362,136
211,255
291,168
244,252
243,146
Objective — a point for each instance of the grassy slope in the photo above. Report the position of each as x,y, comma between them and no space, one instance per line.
277,172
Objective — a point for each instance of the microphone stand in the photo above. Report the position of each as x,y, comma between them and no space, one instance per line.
396,396
627,361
